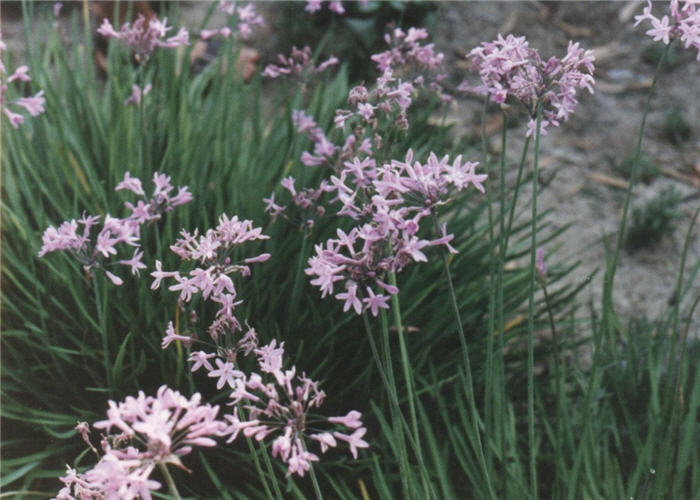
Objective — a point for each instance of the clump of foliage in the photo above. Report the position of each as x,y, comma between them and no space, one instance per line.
647,168
654,219
677,128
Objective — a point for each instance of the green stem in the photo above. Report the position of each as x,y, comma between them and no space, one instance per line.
608,312
270,471
406,363
169,481
296,289
610,270
467,365
410,382
491,317
513,203
500,321
557,377
314,480
256,461
390,385
531,314
103,333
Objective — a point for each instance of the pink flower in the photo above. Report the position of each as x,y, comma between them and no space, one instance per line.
135,262
354,440
375,302
201,358
226,374
171,336
131,183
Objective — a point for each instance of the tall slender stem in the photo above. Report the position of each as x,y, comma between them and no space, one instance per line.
514,201
314,480
169,481
558,381
408,373
610,270
390,385
405,362
467,365
491,317
531,314
103,333
608,281
297,286
500,320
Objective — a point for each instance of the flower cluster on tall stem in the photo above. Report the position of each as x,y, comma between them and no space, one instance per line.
34,105
298,65
281,402
510,68
142,432
683,24
245,17
143,36
211,279
389,202
93,247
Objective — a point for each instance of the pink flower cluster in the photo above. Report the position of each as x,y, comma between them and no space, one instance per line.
160,202
393,200
407,52
307,202
280,402
509,67
246,20
298,65
325,151
92,252
145,35
684,24
151,430
334,6
213,251
33,105
406,67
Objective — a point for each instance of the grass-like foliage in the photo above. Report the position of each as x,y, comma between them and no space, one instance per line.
487,395
654,219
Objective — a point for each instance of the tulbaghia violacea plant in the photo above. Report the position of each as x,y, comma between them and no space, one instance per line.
143,36
683,24
510,68
298,65
34,105
282,403
246,19
141,433
213,252
93,246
